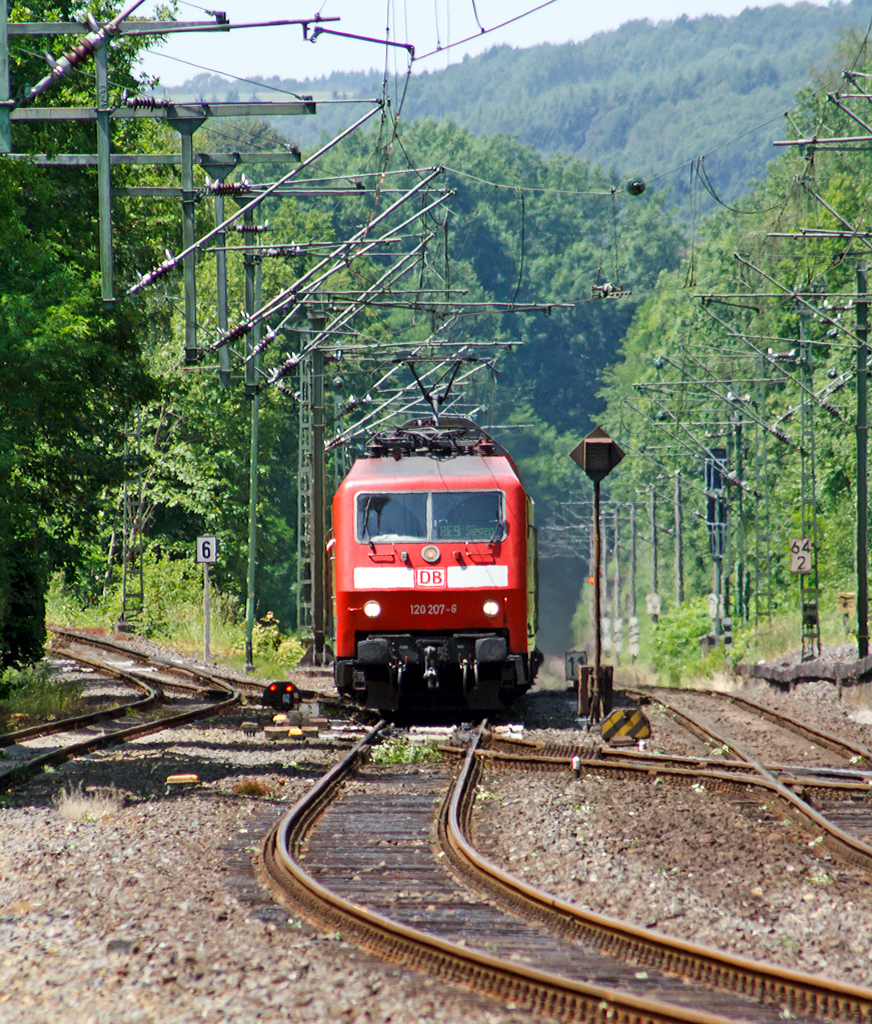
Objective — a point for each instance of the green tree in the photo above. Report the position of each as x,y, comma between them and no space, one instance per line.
70,372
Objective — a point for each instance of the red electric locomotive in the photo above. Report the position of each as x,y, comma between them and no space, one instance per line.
434,572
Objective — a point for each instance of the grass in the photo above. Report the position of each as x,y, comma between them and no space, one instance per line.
77,805
403,752
767,642
252,787
36,692
173,616
784,634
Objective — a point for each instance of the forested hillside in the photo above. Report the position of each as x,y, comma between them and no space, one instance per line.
640,100
522,223
554,233
749,350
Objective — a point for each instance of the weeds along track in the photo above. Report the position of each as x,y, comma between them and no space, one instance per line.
182,675
72,737
381,856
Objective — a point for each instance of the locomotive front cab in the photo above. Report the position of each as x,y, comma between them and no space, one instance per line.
432,583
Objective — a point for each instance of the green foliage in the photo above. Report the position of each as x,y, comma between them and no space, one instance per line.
401,751
676,648
35,691
174,587
640,99
70,372
68,376
62,462
728,371
269,643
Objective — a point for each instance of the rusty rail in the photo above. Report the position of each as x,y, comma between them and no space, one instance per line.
804,993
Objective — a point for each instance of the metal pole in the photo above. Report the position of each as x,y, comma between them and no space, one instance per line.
679,563
741,602
5,123
140,526
206,656
633,631
591,575
632,559
597,612
809,583
317,521
617,623
125,527
104,177
186,128
221,286
862,448
654,582
252,299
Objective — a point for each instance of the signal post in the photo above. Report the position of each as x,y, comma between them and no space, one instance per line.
597,455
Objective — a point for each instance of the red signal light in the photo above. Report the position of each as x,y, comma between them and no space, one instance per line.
289,688
272,688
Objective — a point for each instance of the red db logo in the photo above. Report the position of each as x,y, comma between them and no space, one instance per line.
430,577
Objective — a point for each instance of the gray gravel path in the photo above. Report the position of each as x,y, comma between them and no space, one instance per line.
147,911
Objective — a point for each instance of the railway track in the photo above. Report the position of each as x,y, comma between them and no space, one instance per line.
178,674
355,855
171,673
750,726
202,694
837,813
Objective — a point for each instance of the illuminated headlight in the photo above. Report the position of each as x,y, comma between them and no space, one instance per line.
491,608
430,553
372,609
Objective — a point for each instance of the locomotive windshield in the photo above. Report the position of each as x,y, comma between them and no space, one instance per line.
466,515
422,516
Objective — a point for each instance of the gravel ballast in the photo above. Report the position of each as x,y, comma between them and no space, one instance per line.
152,913
148,910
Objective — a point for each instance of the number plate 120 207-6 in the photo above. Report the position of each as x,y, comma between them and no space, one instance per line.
433,609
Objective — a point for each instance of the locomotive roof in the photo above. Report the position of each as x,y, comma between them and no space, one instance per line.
448,438
410,470
423,452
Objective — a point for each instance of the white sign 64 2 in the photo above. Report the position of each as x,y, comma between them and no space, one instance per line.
800,555
207,549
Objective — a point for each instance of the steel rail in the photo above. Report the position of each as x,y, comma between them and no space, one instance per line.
730,776
806,994
830,836
539,990
820,736
560,754
194,671
152,696
718,764
130,652
33,766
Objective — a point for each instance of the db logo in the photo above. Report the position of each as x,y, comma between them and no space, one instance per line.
430,577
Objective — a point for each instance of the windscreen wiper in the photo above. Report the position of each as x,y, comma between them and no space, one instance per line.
365,535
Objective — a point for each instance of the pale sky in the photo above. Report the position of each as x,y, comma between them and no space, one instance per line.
427,24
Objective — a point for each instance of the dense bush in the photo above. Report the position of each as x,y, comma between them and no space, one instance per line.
676,649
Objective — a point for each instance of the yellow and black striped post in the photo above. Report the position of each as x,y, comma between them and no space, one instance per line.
626,722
